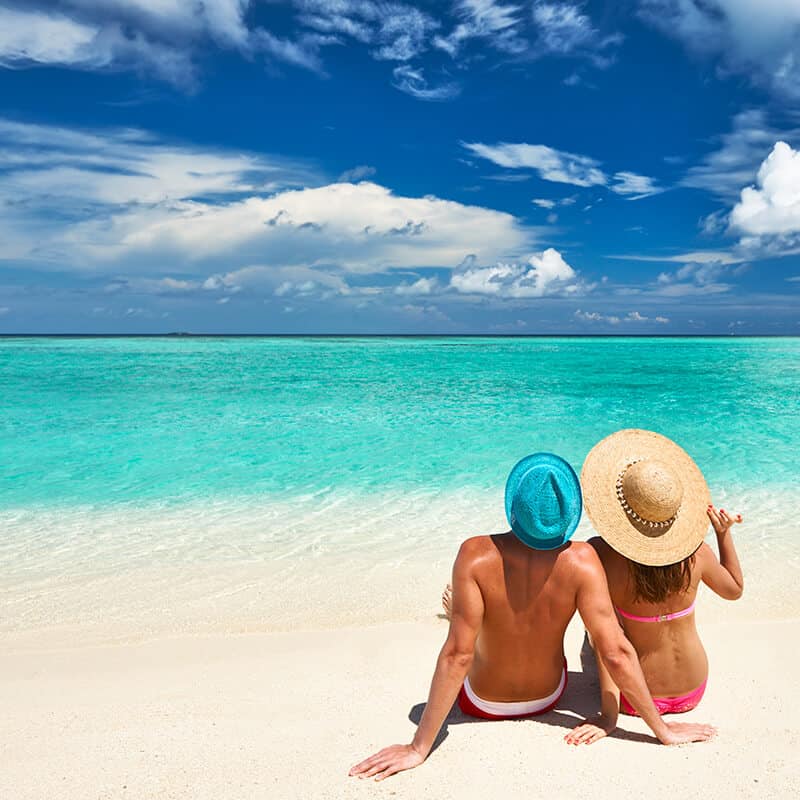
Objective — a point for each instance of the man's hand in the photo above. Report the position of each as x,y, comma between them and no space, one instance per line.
684,732
388,761
590,730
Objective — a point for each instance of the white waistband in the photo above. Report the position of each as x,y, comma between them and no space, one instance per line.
518,708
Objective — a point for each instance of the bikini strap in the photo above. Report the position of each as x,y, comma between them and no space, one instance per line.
660,617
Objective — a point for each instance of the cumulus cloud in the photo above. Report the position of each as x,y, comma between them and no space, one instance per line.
543,203
772,206
362,227
751,37
418,287
545,273
412,81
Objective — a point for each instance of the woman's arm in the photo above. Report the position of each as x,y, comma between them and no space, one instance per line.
452,666
724,576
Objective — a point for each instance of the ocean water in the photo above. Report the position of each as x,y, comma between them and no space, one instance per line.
182,484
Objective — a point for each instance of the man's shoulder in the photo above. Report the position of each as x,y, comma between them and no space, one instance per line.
580,556
476,546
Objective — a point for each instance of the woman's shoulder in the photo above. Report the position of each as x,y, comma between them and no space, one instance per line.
603,549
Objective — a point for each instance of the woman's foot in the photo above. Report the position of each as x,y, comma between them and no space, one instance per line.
447,600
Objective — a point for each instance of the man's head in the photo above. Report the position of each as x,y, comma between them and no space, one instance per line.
543,501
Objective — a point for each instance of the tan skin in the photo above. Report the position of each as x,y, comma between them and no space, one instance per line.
510,608
671,654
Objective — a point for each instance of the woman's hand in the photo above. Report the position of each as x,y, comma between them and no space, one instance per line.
388,761
685,732
721,520
590,730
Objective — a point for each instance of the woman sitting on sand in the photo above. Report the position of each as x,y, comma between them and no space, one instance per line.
650,504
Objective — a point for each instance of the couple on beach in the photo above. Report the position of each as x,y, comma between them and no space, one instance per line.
514,594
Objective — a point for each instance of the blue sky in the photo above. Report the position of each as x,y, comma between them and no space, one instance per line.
359,166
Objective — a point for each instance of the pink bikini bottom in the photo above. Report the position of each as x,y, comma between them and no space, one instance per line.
668,705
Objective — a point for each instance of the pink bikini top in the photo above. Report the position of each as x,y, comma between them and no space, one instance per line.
660,618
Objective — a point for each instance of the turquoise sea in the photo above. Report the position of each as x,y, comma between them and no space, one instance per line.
181,483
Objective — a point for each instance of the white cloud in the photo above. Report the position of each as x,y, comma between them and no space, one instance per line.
495,22
397,32
629,183
613,319
560,166
36,36
127,166
421,286
694,257
362,227
772,206
412,81
160,37
564,30
563,27
543,203
551,164
756,38
545,273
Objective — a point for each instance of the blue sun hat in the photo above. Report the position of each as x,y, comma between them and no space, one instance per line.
543,501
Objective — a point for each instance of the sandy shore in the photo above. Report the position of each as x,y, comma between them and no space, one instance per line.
284,715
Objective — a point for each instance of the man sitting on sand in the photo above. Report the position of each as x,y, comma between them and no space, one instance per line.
513,596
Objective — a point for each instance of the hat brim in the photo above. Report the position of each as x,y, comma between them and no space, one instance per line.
558,464
601,469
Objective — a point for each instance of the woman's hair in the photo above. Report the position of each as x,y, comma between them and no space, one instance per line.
656,584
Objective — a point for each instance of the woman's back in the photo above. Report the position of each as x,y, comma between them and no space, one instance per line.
672,656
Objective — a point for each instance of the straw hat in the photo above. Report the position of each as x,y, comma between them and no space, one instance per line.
645,497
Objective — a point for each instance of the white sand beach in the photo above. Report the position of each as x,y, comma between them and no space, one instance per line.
284,715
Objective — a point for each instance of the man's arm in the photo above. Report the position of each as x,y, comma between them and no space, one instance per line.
452,666
605,722
617,653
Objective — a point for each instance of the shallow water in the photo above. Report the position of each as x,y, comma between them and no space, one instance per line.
187,484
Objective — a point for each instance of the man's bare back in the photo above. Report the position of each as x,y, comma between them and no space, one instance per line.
529,598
